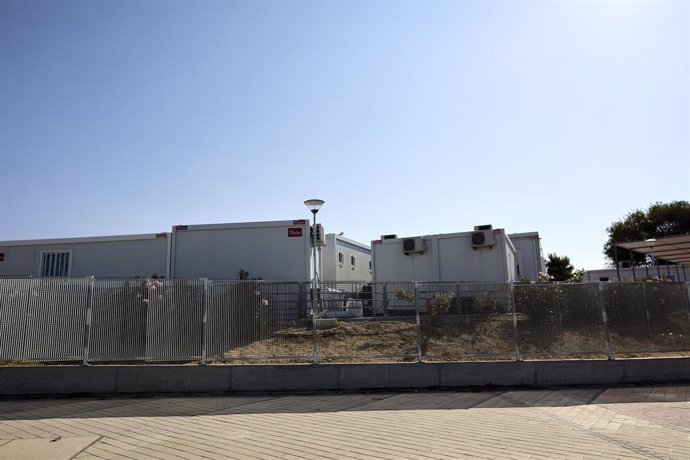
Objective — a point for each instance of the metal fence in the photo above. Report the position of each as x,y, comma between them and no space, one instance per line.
90,320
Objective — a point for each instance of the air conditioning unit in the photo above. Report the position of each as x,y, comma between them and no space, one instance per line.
482,236
412,245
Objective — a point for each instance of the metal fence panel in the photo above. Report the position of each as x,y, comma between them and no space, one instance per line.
559,321
647,318
56,319
174,319
14,304
362,322
146,319
70,319
466,320
256,320
118,320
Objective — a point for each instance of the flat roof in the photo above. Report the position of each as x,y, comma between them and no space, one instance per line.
238,225
675,249
86,239
524,235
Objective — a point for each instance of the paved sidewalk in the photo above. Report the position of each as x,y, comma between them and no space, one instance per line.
621,422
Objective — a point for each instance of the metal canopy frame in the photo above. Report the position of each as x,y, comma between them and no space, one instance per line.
674,249
671,249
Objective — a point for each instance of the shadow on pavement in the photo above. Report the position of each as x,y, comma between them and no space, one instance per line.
183,406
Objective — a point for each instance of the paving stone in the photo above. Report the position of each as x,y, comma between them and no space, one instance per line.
625,423
56,448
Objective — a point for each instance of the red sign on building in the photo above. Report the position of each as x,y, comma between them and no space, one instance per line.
294,232
2,256
299,222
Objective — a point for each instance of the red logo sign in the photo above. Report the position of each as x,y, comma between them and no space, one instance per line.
2,256
180,227
299,222
294,232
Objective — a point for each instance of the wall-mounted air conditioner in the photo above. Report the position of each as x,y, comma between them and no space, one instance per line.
412,245
482,236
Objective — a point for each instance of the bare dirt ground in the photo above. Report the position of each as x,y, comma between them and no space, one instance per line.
395,340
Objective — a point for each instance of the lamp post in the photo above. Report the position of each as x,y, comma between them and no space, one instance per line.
651,242
314,205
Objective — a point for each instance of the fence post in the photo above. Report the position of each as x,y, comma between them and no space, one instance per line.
314,357
87,326
26,319
604,322
301,302
646,310
204,323
384,301
515,327
420,358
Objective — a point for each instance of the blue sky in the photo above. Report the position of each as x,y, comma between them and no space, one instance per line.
405,117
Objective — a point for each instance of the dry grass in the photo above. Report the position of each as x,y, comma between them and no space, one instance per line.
455,339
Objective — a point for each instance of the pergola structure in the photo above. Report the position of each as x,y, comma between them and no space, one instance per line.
673,250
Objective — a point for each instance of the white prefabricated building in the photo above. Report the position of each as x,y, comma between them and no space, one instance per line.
276,251
483,255
122,256
677,273
529,259
344,259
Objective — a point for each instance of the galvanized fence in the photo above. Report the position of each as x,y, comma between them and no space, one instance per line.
91,321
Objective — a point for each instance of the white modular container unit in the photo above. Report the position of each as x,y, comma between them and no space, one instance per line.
453,257
122,256
276,251
529,259
344,259
676,273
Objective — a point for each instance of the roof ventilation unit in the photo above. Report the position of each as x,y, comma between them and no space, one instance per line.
412,245
392,236
482,236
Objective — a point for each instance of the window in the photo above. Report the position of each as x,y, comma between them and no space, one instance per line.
55,263
341,259
603,279
353,262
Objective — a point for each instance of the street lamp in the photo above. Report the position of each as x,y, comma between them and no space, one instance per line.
314,205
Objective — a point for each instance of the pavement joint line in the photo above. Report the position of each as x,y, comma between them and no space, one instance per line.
645,417
637,449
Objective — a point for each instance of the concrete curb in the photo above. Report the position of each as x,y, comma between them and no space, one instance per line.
138,379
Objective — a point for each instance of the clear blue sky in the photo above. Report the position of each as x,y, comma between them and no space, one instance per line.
410,117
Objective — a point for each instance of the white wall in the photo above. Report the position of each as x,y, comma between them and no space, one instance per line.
528,255
125,256
448,257
333,270
265,249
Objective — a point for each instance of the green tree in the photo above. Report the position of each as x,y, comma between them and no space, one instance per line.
559,268
659,220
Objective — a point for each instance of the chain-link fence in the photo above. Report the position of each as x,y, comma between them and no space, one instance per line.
152,320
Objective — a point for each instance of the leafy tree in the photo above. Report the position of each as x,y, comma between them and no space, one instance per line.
578,276
559,268
659,220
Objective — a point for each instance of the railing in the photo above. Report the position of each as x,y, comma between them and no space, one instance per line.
90,321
